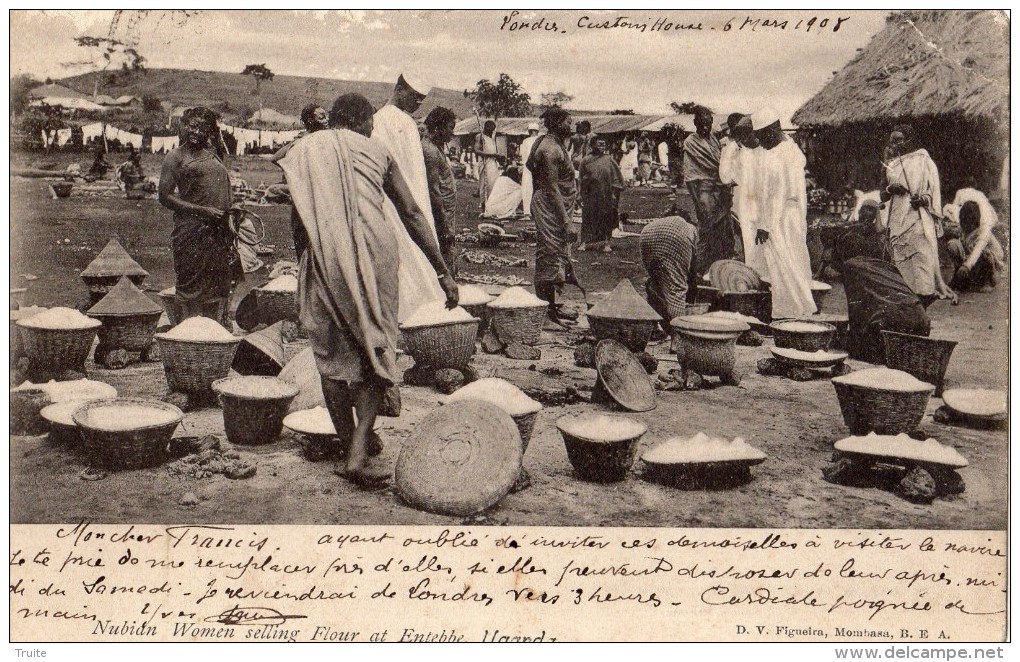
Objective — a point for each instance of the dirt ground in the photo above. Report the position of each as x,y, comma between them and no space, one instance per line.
794,423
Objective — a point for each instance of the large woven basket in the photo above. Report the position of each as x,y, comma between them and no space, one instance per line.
251,420
126,449
866,409
447,345
634,334
523,325
131,332
192,366
805,341
276,306
924,358
483,313
600,461
706,356
52,351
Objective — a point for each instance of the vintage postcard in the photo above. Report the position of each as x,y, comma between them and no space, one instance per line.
510,326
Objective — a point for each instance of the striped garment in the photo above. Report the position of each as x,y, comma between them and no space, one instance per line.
667,252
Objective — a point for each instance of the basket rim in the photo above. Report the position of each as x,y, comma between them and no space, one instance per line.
91,327
80,418
837,381
163,336
473,320
263,291
778,326
217,386
566,433
155,313
912,337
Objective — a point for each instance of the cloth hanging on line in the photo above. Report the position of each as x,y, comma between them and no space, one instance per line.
92,131
63,137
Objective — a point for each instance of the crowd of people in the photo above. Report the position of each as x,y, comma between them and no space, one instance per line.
374,202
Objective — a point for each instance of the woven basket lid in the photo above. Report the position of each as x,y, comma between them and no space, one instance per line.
624,303
623,376
125,299
710,323
114,261
733,276
269,341
462,459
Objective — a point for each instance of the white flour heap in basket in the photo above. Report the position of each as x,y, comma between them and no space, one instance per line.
436,312
884,379
499,392
516,297
127,417
60,318
701,448
285,283
801,327
256,387
600,427
472,295
199,328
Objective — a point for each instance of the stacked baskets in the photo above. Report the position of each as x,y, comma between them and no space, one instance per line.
706,345
129,320
192,366
625,317
104,272
803,335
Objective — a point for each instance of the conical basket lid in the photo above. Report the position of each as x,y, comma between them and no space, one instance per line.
125,299
624,303
269,341
733,276
114,261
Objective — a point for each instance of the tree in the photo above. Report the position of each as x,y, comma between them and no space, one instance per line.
261,74
151,104
559,99
21,85
106,52
685,108
505,98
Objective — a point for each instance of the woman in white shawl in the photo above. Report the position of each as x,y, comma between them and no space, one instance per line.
913,195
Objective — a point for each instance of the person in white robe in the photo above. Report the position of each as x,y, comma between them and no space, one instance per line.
527,183
781,227
738,167
397,130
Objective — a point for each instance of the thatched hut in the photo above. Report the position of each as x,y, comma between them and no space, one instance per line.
944,72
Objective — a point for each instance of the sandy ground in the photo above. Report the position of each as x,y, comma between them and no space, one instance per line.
794,423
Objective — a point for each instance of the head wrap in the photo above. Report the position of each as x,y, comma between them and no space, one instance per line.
533,126
413,84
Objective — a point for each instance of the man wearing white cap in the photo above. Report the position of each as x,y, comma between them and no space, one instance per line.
781,224
398,132
527,184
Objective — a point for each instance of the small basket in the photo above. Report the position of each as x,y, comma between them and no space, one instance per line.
866,409
704,355
447,345
53,351
192,366
126,449
634,334
277,306
523,325
525,425
924,358
483,313
131,332
600,461
174,311
251,420
805,341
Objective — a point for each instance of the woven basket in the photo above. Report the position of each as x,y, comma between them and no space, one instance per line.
250,420
174,311
866,409
600,461
525,425
483,313
706,294
805,341
706,356
447,345
131,332
192,366
634,334
126,449
52,351
753,304
523,325
924,358
277,306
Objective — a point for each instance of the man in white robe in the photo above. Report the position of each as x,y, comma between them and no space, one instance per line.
738,166
527,184
396,129
781,230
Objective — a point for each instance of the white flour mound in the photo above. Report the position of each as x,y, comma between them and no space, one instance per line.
902,446
700,449
600,427
60,318
517,297
285,283
128,417
884,379
499,392
436,312
199,328
472,295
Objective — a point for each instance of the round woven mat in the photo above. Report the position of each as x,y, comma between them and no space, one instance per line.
462,459
623,377
733,276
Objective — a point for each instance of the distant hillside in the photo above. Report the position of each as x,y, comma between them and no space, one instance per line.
230,93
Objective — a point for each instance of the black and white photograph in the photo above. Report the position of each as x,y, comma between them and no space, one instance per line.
472,270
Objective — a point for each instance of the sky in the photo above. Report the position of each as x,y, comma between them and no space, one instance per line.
730,64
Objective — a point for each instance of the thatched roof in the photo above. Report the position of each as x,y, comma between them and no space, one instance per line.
923,63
